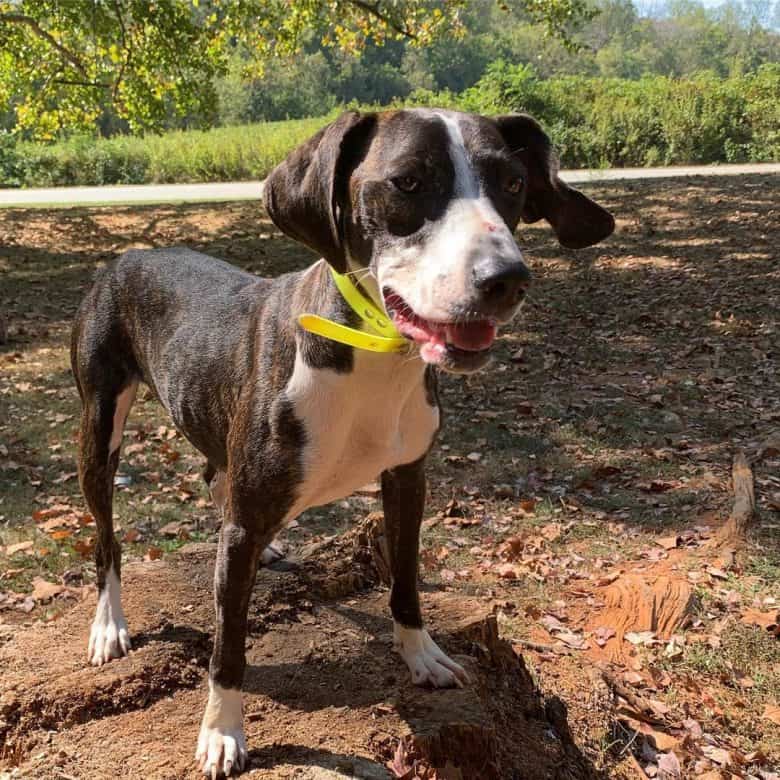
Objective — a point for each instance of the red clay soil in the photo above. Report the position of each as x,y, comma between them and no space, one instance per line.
326,696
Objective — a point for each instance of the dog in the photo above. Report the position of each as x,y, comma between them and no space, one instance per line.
413,213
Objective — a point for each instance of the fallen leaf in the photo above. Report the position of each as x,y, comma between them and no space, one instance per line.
154,553
716,754
668,542
528,505
506,571
770,447
772,713
84,547
44,514
64,477
663,742
668,766
556,629
12,549
634,678
640,637
171,529
769,621
602,635
551,531
45,591
657,486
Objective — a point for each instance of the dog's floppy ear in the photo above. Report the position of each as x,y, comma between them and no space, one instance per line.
306,193
577,221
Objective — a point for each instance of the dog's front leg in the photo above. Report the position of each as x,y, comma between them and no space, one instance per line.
221,744
403,496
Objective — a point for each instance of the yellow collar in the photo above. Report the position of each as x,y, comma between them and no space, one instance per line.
383,336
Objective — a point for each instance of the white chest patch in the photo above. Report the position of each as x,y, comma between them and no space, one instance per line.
358,424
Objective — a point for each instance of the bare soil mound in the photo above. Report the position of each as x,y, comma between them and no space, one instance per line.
326,696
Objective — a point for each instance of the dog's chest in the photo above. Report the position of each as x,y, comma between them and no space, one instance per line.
358,424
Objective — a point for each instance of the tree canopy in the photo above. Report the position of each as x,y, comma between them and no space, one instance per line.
74,63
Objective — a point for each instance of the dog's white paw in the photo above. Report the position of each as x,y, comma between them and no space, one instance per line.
222,745
108,637
273,553
221,751
425,659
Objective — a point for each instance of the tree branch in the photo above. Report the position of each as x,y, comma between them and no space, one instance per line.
77,83
374,10
128,52
68,55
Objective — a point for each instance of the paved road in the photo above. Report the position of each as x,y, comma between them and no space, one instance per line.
252,190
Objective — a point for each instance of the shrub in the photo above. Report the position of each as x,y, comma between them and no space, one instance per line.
227,153
593,122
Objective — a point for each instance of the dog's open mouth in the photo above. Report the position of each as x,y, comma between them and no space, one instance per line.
441,342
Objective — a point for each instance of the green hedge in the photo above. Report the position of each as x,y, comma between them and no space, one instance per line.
597,122
594,122
222,154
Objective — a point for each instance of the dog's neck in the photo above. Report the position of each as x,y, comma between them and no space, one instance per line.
322,297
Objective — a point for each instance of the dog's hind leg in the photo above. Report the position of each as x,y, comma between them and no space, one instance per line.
102,421
107,392
403,497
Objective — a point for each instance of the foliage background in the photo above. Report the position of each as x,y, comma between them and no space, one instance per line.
678,84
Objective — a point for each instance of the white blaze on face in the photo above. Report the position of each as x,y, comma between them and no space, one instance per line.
436,278
466,183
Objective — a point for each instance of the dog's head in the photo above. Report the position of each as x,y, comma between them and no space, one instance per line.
425,203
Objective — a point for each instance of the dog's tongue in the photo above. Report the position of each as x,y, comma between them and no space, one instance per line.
468,336
471,336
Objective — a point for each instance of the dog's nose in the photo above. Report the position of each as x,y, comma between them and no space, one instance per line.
502,283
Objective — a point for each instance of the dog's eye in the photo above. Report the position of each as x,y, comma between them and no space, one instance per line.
408,184
514,186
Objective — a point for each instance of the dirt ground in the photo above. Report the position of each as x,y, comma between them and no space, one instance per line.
576,500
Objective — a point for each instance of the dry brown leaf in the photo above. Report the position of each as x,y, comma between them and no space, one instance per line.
669,766
603,634
84,547
772,713
668,542
154,553
551,531
506,571
44,514
765,620
640,637
663,742
12,549
718,755
44,590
